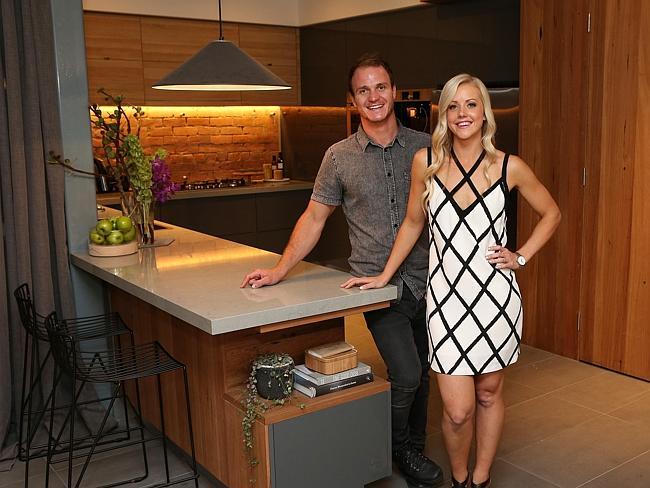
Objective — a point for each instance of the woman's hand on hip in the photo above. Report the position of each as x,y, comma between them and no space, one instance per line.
502,258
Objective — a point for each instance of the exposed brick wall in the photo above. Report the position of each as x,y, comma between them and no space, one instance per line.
208,142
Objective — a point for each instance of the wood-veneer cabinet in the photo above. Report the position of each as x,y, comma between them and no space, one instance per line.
126,54
584,131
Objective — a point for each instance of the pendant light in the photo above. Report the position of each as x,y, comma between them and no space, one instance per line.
221,66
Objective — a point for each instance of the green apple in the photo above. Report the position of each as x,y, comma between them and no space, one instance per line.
104,227
95,237
129,235
115,238
123,224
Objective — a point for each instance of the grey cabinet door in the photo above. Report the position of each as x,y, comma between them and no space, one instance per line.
347,446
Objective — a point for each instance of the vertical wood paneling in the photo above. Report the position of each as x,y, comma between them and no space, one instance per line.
637,350
552,129
614,296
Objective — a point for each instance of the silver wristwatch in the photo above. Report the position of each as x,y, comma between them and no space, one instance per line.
521,261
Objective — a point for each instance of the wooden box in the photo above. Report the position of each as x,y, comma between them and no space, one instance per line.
331,358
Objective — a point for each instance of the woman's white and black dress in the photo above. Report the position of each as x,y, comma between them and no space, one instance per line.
473,309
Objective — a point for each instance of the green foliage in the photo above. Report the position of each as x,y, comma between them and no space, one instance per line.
254,406
139,169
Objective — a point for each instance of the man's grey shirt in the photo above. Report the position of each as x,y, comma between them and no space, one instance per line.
372,184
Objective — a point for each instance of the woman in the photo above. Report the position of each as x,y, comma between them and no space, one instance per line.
474,314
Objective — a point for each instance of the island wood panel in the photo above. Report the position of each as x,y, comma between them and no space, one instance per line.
114,56
552,131
214,364
168,43
277,48
615,291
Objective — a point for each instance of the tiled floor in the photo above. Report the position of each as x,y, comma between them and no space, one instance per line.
568,425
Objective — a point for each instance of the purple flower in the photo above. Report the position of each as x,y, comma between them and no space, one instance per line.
162,185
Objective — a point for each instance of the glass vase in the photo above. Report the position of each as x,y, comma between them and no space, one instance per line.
143,216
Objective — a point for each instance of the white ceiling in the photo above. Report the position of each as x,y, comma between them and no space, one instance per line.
276,12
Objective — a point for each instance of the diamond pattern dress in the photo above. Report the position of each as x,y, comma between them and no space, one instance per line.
473,309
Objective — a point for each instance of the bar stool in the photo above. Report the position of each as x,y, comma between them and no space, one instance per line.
116,367
87,328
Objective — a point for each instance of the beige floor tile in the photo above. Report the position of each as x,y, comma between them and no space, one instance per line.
637,411
506,475
604,392
531,355
551,373
582,453
529,422
515,393
635,473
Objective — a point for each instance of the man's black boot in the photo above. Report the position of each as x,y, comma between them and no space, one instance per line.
418,470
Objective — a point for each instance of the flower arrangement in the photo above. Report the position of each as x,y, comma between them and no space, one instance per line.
141,180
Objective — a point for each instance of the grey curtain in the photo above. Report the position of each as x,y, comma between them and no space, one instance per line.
32,220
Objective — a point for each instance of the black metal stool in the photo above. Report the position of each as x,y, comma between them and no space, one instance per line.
116,366
87,328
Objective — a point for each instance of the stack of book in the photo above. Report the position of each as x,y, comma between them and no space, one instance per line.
313,383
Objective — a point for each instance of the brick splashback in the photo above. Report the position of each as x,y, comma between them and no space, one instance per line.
208,142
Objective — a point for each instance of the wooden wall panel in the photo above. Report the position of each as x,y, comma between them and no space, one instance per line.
615,293
114,56
637,357
278,49
552,128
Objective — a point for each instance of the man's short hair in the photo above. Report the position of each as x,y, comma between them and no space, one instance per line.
369,60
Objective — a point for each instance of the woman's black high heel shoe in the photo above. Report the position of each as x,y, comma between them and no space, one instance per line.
459,484
485,484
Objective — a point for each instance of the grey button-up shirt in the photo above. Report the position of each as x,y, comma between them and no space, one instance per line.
372,184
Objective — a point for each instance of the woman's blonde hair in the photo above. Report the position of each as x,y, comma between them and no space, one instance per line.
442,138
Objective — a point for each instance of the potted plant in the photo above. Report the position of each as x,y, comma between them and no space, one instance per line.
271,378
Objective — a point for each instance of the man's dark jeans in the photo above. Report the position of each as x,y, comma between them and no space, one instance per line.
400,333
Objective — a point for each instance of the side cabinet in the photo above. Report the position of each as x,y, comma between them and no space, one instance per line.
336,440
347,446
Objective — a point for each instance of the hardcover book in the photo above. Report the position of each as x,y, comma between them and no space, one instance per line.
312,390
321,379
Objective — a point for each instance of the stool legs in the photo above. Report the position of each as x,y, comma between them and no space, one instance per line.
189,424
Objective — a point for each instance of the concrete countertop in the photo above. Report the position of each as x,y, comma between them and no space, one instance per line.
196,278
253,188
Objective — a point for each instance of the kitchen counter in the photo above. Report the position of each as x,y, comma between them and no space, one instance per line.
186,296
196,279
253,188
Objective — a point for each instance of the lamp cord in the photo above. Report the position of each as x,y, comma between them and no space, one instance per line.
220,24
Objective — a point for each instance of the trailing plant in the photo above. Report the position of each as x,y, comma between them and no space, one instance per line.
278,380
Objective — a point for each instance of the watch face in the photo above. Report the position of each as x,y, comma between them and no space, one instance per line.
521,260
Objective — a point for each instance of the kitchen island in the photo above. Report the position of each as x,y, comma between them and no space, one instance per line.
186,295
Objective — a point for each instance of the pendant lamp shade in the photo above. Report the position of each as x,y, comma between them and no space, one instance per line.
221,66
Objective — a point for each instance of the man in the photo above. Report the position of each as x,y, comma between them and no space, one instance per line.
369,175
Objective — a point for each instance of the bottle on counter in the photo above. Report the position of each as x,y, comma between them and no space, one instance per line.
281,164
278,167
